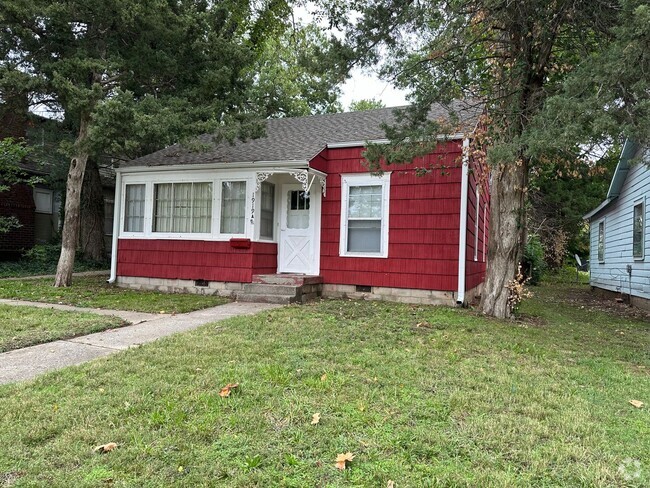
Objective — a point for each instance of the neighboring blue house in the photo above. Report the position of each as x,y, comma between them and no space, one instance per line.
619,236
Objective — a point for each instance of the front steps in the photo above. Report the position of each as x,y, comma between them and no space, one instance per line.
281,288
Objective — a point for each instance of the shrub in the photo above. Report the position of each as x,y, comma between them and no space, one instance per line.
533,263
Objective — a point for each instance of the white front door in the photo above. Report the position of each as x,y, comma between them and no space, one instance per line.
298,246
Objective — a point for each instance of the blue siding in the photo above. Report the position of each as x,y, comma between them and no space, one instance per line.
611,274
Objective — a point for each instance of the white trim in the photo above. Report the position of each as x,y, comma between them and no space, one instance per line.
212,166
46,209
462,233
476,226
365,179
213,177
640,201
601,261
116,225
341,145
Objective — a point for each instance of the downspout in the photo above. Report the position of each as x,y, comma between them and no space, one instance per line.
462,235
117,214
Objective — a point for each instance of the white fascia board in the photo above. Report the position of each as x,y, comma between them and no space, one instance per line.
340,145
201,166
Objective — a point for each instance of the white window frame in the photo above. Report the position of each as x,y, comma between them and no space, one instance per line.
365,179
477,204
643,228
50,196
214,177
601,260
123,212
485,207
258,216
247,204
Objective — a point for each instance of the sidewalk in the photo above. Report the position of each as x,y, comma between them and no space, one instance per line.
24,364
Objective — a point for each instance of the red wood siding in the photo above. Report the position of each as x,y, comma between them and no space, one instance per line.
423,223
475,269
194,260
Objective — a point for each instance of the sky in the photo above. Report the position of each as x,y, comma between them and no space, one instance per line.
364,86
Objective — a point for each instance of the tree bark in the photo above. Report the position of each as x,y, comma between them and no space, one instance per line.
91,239
70,233
506,236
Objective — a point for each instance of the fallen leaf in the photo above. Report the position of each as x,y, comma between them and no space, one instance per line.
390,484
315,418
324,377
636,403
225,391
342,459
105,448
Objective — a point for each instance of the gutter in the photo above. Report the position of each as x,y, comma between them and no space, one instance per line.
117,213
462,236
299,164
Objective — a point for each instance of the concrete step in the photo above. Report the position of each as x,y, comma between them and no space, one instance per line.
288,279
266,289
259,298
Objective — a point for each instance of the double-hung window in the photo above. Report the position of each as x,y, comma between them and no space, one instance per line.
601,241
638,229
183,208
134,208
233,207
364,215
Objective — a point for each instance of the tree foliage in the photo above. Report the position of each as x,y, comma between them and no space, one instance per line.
12,152
365,104
556,77
133,77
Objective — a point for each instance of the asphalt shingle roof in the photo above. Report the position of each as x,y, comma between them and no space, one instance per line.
302,138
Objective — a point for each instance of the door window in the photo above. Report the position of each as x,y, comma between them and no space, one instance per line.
297,209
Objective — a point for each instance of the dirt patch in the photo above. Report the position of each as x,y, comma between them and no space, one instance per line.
527,320
584,297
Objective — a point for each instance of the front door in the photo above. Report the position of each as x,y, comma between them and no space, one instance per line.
298,230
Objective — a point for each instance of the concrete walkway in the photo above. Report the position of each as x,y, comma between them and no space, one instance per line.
24,364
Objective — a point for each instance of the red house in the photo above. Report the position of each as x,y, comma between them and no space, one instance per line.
296,214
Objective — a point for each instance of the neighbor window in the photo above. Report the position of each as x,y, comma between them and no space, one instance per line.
43,200
638,231
183,208
233,207
134,208
364,216
601,241
267,209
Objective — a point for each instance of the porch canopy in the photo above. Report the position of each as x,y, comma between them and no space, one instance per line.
306,177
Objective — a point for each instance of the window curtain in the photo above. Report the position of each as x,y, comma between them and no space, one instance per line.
163,208
233,207
202,207
267,210
364,218
134,208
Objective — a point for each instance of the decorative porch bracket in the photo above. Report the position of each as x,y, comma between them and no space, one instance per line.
301,175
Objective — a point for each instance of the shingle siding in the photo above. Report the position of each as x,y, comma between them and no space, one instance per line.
611,274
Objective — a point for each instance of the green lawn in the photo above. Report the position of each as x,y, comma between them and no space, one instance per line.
422,396
93,291
26,326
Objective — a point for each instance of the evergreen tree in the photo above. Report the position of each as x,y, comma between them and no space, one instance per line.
554,76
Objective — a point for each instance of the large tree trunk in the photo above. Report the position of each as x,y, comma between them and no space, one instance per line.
506,236
70,234
91,239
